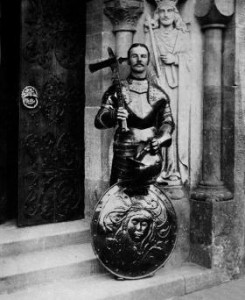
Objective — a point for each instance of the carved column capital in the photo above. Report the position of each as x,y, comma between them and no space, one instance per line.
214,13
124,14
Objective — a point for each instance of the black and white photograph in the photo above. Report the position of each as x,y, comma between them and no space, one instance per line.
122,150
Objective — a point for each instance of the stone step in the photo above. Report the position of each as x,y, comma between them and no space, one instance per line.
23,270
163,285
233,290
16,240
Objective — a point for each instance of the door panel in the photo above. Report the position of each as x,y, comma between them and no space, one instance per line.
51,108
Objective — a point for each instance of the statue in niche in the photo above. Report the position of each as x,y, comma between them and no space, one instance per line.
168,39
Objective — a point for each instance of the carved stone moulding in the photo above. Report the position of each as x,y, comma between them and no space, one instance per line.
209,193
214,13
134,230
124,14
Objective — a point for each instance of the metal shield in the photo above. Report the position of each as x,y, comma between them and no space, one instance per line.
133,230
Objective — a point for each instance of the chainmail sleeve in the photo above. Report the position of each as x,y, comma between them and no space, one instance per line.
106,116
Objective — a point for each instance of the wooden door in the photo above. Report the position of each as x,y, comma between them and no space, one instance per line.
51,107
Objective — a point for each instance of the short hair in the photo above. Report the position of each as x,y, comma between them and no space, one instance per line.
139,45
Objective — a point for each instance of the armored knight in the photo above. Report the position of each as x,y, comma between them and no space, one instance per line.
137,152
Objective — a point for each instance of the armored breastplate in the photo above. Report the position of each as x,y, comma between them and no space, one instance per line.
142,115
137,99
138,104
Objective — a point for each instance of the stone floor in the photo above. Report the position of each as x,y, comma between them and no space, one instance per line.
165,284
234,290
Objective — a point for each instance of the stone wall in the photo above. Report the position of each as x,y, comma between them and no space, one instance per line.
239,133
97,143
217,225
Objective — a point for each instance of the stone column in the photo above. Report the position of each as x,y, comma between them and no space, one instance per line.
210,205
213,16
124,15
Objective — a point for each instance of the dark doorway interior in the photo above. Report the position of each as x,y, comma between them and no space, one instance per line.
10,52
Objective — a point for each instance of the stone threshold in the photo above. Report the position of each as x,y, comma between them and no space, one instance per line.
163,285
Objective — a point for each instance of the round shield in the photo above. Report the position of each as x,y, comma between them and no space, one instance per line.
133,230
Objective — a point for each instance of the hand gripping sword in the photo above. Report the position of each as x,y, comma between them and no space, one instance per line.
113,62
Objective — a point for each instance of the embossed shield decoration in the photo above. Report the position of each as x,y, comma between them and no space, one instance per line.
134,231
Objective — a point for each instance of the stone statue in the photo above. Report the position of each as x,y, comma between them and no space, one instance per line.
149,121
171,56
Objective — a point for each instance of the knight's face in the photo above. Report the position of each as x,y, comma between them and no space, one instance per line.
166,15
138,59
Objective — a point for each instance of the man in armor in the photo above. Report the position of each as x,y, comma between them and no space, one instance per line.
137,155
